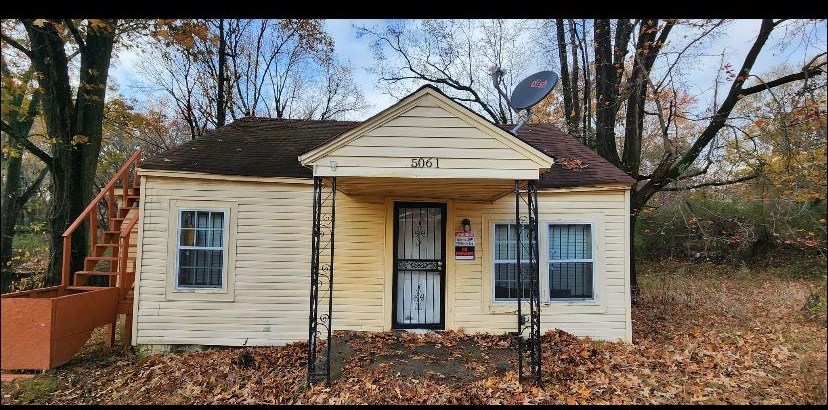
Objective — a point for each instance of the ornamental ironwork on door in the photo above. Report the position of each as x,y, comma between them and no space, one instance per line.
419,265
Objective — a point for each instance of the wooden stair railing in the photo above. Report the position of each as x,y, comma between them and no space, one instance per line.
109,247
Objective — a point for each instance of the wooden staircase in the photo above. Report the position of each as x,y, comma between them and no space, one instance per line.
111,261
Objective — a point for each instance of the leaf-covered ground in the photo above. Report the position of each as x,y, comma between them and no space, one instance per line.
700,337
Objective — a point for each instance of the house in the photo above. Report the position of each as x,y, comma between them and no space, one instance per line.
238,229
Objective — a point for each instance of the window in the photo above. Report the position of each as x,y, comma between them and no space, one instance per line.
570,261
201,246
505,262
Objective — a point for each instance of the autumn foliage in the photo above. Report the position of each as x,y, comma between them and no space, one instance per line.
703,337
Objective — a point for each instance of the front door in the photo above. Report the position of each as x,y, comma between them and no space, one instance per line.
419,265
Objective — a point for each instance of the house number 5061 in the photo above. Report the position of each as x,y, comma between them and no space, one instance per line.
421,162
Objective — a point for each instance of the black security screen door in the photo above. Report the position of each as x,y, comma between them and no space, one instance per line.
419,265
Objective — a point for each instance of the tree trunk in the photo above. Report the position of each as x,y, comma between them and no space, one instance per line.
631,156
576,101
586,112
609,65
17,128
571,122
221,105
11,189
75,127
13,199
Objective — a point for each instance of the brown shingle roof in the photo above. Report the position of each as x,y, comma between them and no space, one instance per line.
592,169
269,147
263,147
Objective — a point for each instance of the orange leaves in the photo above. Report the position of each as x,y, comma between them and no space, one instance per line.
719,341
572,164
182,33
96,24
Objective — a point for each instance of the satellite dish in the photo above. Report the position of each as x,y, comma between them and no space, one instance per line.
527,93
533,89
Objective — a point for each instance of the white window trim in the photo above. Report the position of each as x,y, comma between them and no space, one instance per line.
543,264
594,260
224,254
227,292
495,261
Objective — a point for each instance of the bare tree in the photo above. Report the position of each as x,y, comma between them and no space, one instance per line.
680,150
453,55
335,96
273,68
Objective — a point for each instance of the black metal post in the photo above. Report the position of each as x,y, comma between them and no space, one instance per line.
314,280
330,283
518,282
528,198
534,296
322,244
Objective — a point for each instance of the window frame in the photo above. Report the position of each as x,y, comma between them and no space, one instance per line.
225,237
495,261
547,258
544,261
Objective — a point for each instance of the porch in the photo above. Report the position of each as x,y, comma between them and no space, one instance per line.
399,235
418,155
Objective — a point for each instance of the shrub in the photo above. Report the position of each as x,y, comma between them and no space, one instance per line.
729,230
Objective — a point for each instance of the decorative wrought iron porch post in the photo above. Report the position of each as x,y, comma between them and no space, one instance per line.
527,197
321,278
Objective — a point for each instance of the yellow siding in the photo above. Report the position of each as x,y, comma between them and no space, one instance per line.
605,319
428,129
272,265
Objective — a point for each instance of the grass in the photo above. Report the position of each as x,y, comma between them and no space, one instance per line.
31,391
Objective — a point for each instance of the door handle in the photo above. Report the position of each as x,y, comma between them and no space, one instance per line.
440,265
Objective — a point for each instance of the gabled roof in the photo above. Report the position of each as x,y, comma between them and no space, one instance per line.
267,147
431,96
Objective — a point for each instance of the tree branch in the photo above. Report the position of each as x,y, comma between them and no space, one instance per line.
714,183
806,73
663,39
662,176
30,146
32,189
16,45
75,34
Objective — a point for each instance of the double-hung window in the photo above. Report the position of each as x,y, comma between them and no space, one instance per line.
505,262
571,263
201,249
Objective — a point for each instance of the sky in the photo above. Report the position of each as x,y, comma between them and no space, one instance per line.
700,77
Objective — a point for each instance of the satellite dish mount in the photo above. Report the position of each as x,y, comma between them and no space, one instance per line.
530,91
